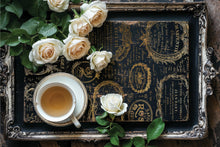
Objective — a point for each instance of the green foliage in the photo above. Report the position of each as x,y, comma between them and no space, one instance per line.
116,131
114,140
14,22
12,40
127,143
48,29
15,8
36,8
139,142
23,22
17,50
108,145
4,17
75,1
32,25
121,131
101,121
102,130
155,129
61,20
4,38
26,62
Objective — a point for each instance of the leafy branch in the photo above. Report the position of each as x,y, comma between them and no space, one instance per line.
116,131
23,22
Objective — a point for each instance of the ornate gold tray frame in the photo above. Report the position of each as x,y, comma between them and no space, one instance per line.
206,73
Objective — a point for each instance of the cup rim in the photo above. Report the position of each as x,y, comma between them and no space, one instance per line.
41,111
71,78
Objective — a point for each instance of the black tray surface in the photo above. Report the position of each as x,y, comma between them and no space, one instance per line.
154,66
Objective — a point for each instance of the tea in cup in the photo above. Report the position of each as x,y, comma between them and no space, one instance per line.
56,102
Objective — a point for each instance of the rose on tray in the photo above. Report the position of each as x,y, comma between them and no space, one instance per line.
38,37
46,51
99,59
113,106
76,44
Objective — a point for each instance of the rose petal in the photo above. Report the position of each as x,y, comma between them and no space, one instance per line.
123,109
111,102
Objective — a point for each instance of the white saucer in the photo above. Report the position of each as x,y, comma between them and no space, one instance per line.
76,85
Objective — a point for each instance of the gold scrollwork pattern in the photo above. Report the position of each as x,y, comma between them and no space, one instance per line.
140,110
176,95
126,39
81,69
166,42
29,115
140,78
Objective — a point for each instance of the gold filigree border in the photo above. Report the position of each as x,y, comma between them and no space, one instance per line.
169,58
146,68
159,92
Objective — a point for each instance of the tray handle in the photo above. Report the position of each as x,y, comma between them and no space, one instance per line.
209,71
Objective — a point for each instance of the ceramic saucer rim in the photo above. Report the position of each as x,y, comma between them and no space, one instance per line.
73,78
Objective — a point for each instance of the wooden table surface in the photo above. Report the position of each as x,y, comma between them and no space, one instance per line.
213,102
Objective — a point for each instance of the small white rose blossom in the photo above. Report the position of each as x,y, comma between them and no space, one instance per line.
46,51
58,5
80,26
112,103
99,60
96,12
75,47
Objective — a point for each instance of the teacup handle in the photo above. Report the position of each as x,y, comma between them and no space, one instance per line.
75,121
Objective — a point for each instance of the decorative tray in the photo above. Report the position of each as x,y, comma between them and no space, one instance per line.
160,64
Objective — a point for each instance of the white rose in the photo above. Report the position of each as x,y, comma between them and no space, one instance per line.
75,47
112,103
80,26
46,51
99,60
96,12
58,5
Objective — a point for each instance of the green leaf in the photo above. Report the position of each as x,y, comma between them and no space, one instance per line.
108,145
12,40
104,115
101,121
139,142
13,23
21,34
17,50
4,37
114,140
15,8
127,143
4,17
76,1
18,31
115,131
36,8
26,62
121,131
155,129
102,130
61,20
48,29
2,4
32,25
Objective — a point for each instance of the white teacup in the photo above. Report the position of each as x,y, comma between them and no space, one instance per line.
56,102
